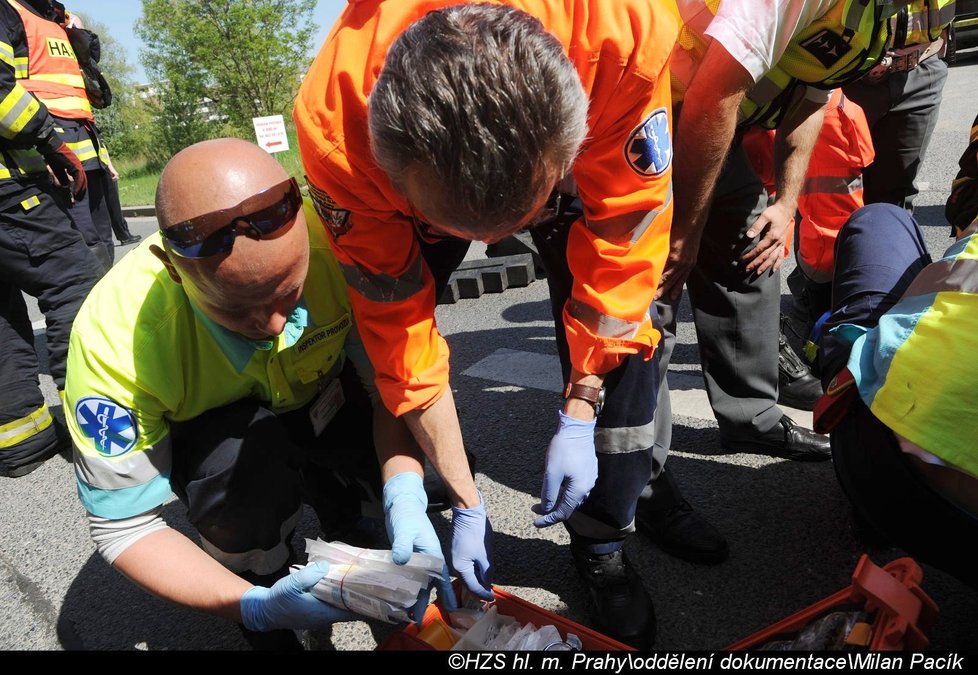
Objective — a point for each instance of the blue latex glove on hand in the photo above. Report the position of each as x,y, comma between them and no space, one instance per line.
472,548
289,604
571,471
409,529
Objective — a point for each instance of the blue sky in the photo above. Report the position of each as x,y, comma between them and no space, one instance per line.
120,16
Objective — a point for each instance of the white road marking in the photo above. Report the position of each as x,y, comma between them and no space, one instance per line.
531,370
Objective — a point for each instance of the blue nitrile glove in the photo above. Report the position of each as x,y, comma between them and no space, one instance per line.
571,471
472,548
409,529
289,604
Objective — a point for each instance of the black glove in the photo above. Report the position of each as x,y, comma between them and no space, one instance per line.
64,165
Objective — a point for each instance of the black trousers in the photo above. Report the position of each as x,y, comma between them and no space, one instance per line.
736,314
41,255
902,113
119,225
888,493
243,472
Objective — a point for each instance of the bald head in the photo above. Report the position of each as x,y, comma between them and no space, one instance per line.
213,175
248,289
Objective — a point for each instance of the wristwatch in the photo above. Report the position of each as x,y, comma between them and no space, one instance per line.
593,395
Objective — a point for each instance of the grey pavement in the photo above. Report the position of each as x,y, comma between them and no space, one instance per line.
788,524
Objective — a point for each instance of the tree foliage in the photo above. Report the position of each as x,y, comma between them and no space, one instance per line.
243,57
125,124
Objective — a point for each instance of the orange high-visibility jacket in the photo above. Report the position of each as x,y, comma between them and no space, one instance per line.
833,186
52,74
616,252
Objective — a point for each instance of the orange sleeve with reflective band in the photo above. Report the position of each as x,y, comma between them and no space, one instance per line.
391,289
624,178
618,53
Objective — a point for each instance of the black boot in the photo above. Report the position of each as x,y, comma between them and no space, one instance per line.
122,232
666,518
797,387
623,608
29,454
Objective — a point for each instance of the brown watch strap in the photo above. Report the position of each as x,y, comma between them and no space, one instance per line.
590,394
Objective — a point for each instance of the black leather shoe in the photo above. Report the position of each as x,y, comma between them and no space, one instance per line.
668,520
622,606
787,440
797,387
131,239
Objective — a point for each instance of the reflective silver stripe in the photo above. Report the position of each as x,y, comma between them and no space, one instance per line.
640,229
382,287
765,91
131,470
16,112
854,13
256,560
946,275
941,17
836,185
624,439
602,324
7,54
25,427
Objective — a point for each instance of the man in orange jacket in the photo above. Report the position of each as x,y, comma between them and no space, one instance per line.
475,128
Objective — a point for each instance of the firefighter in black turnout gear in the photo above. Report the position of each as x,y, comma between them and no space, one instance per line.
41,254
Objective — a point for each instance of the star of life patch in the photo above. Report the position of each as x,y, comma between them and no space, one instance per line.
648,149
111,427
335,218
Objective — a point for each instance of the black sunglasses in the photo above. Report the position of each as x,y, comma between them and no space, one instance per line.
266,215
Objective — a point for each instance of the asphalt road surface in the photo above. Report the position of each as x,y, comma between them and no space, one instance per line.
788,524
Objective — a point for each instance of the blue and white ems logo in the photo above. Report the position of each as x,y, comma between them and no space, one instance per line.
649,148
109,425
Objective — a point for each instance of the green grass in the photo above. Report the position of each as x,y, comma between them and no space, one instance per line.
137,183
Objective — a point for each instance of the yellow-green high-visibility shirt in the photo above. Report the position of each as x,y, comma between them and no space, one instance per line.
916,370
142,356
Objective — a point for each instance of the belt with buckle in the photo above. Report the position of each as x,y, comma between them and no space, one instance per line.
904,59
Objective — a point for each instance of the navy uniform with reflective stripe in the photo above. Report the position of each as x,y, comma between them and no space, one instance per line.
40,254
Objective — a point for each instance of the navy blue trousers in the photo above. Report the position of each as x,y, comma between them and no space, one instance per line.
878,253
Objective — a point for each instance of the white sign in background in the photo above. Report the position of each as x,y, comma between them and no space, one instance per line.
270,133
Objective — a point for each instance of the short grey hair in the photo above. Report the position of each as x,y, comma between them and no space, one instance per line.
483,98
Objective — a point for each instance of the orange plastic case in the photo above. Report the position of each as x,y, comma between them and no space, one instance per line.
903,611
508,604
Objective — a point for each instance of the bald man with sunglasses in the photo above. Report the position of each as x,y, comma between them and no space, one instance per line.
211,362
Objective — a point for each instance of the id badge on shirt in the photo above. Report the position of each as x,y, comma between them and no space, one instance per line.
327,404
